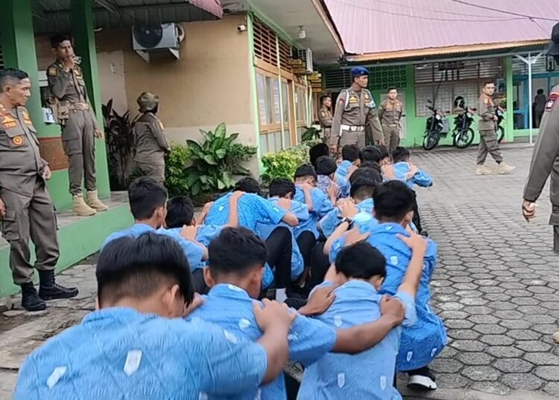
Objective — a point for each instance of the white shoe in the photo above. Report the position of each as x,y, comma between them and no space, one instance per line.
483,170
505,169
421,382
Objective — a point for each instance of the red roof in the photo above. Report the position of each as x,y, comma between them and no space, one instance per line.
382,26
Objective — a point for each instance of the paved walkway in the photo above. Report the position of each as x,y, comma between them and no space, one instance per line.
497,288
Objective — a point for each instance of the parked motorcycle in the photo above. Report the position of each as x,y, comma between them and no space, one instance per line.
500,113
463,135
433,128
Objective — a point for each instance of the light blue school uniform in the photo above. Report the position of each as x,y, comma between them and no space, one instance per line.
367,375
330,222
119,353
301,211
231,308
421,178
321,206
342,178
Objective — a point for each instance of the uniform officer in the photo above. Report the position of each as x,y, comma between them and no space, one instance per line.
487,126
149,136
26,209
390,114
79,125
355,110
325,117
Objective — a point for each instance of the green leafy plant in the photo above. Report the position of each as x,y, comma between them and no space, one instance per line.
175,179
119,140
310,134
211,164
284,163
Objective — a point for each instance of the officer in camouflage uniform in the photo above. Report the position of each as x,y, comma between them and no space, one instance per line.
79,126
355,110
390,115
149,135
26,209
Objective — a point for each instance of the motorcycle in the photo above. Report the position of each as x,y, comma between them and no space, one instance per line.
463,135
433,128
500,113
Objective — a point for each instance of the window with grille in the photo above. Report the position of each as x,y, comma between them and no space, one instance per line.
380,78
266,46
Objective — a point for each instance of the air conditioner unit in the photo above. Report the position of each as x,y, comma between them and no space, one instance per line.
156,38
306,55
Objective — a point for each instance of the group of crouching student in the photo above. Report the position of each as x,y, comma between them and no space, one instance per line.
330,271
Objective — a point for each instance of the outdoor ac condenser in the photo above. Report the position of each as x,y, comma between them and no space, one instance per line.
306,56
155,38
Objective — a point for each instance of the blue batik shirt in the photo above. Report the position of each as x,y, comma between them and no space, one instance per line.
192,251
427,338
301,211
231,308
330,222
367,375
251,208
119,353
366,224
421,178
321,206
342,178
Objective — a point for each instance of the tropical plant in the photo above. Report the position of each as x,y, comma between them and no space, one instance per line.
284,163
310,134
212,164
119,139
175,179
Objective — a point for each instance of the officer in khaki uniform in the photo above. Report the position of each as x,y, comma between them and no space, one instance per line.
355,110
325,117
26,209
149,135
487,125
390,114
79,126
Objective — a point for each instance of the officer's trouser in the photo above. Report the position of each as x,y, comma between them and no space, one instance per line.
391,136
30,218
353,137
155,171
79,145
488,144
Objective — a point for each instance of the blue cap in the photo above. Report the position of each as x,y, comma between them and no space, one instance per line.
359,71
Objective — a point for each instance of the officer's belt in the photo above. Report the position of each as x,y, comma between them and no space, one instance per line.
79,106
352,128
391,125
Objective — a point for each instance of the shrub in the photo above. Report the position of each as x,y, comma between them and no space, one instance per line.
175,179
284,163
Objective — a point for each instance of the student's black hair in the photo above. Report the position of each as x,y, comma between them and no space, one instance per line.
305,170
145,195
235,251
281,187
365,173
400,154
362,189
56,40
180,212
350,152
383,152
369,164
326,165
248,185
370,153
361,261
317,151
393,200
11,75
138,267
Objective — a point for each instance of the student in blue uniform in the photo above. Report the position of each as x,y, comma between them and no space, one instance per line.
317,151
326,172
371,158
360,270
427,338
235,271
147,199
252,210
136,346
351,161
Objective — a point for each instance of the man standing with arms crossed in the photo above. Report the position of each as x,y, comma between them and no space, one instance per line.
390,114
75,115
355,109
26,209
487,126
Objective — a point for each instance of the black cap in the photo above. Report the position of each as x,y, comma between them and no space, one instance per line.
554,45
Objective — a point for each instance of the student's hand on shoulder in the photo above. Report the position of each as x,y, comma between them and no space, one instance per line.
273,315
306,187
237,194
413,170
354,236
189,232
284,203
333,189
320,301
207,207
197,302
348,209
415,242
393,308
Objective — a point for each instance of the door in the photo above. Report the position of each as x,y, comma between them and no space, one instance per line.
402,98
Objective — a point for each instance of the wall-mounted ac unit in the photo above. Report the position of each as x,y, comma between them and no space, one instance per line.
306,55
155,38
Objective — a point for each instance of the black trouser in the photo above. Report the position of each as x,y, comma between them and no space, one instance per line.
319,265
416,218
280,247
198,281
306,242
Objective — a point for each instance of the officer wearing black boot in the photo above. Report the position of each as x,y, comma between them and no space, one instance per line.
26,209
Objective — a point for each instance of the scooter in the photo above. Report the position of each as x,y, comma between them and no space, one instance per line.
463,135
500,113
433,128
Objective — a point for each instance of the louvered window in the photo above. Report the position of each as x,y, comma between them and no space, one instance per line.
1,58
265,46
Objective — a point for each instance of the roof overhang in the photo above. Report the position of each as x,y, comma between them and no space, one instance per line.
289,15
52,16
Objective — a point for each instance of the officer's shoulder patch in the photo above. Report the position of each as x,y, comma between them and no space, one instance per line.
323,113
551,101
17,141
52,71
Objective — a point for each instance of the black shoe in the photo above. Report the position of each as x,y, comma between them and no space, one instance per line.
295,303
49,290
29,298
422,379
